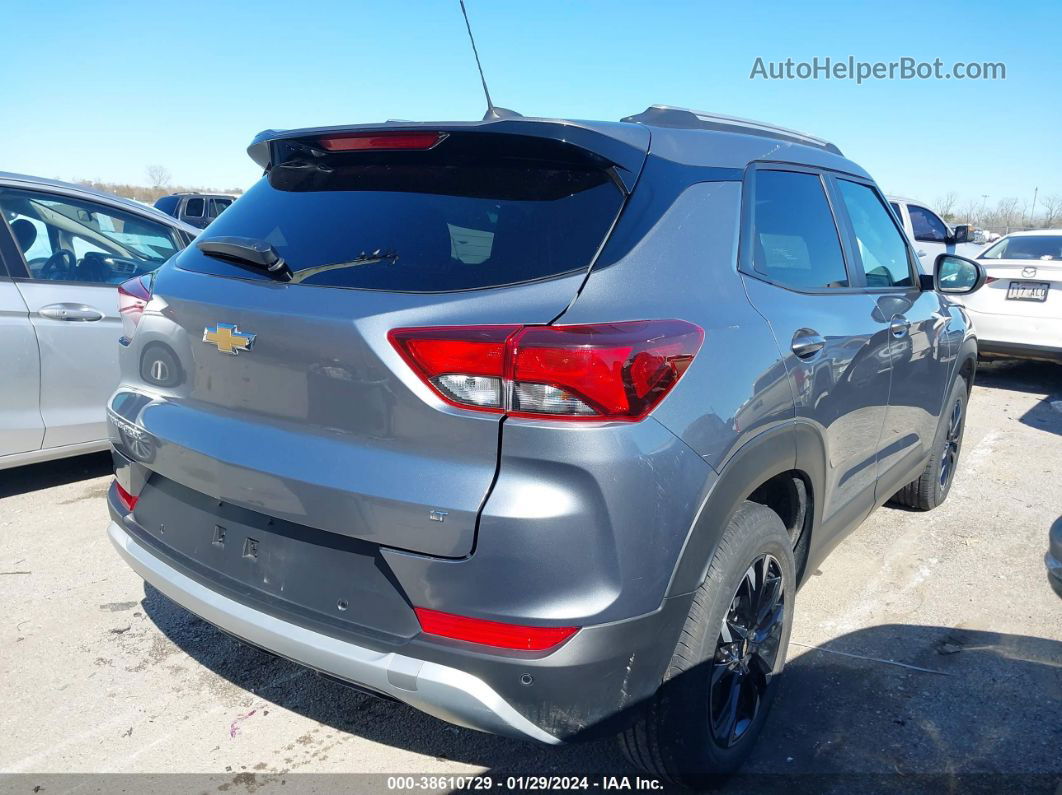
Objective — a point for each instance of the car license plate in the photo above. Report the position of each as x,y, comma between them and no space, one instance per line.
1028,291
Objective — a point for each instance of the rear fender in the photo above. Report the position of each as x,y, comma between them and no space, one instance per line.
768,454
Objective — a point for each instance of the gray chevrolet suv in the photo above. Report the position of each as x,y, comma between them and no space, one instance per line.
534,424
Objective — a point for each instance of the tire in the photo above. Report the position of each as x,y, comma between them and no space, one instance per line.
675,737
932,486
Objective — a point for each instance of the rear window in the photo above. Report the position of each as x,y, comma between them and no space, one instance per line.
475,211
1042,247
167,204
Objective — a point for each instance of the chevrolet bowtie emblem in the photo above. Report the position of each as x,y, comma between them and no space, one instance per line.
228,338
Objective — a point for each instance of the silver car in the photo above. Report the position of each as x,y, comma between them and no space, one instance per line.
536,425
64,249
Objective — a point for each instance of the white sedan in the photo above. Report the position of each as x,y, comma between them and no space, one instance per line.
1019,310
64,249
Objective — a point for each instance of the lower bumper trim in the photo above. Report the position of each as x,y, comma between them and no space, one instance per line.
447,693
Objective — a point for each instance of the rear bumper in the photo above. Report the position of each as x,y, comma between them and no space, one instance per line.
445,692
590,686
1017,335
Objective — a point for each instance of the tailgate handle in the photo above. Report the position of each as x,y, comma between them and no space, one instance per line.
79,313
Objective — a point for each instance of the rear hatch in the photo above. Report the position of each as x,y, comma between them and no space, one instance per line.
1024,277
316,419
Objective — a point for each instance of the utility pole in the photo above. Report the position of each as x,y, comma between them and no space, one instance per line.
1032,215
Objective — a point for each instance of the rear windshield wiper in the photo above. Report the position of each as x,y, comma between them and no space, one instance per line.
378,255
247,252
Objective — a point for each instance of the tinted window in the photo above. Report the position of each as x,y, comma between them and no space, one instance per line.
194,208
167,204
217,205
458,217
896,210
795,240
65,239
1044,247
926,225
882,249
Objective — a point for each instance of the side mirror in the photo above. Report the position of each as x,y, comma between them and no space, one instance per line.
961,235
955,275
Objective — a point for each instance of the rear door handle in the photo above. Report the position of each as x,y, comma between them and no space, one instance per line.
899,326
78,313
807,342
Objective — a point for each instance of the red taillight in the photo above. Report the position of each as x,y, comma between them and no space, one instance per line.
359,142
990,279
492,633
133,296
125,498
607,371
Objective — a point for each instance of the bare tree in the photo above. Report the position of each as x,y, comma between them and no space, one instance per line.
158,176
1052,209
1007,212
947,204
970,212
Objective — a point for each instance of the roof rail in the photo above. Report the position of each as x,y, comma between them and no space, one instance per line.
684,118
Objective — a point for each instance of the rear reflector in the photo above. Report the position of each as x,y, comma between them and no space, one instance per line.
133,297
492,633
606,371
124,497
360,142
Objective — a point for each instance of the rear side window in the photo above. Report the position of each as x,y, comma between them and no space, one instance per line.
167,204
882,248
795,241
475,211
194,208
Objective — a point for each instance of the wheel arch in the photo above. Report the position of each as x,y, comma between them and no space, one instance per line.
764,470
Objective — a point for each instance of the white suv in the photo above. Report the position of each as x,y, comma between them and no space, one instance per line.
930,234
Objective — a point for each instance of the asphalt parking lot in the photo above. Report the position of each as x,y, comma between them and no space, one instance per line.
926,644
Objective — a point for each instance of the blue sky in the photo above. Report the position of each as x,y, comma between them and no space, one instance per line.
103,89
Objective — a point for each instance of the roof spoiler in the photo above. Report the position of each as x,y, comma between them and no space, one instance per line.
622,145
684,118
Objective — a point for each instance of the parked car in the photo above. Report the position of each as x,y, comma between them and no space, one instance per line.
1053,558
196,209
537,425
1019,313
63,251
931,235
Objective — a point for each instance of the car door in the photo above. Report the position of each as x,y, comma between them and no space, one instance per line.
193,211
21,426
72,253
832,337
930,235
917,342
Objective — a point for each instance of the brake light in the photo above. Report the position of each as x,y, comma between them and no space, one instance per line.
606,371
127,500
133,296
491,633
990,279
359,142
